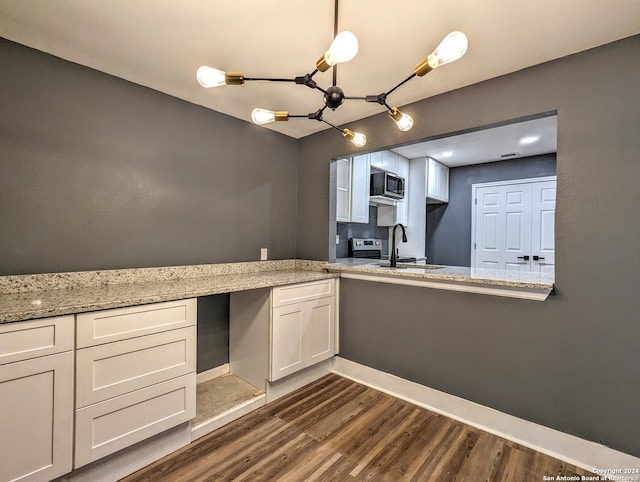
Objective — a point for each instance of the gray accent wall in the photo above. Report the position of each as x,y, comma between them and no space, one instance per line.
213,331
448,239
100,173
571,362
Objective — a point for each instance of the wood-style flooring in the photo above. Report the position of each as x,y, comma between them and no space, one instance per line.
338,430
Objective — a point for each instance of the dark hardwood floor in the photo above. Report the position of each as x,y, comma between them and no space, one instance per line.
336,429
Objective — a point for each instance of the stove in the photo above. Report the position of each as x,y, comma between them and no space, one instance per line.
365,248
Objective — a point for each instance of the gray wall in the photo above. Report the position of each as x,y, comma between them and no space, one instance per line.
213,331
570,362
448,239
100,173
361,230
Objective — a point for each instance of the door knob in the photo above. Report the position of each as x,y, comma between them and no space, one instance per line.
526,258
536,258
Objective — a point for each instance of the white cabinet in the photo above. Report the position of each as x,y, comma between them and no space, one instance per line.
302,332
402,170
343,190
360,174
36,399
385,160
135,375
352,189
437,182
397,211
276,332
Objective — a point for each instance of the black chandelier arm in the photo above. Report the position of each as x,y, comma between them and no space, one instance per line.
401,83
268,79
331,125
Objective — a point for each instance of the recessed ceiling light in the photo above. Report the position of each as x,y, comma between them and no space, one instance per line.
447,154
529,139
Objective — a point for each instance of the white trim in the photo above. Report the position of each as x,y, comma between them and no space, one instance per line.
212,373
227,416
297,380
474,195
536,294
125,462
569,448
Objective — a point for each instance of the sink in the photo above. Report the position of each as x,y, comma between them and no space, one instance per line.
412,265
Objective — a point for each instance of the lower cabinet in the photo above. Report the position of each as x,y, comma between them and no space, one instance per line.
302,335
135,375
36,399
275,332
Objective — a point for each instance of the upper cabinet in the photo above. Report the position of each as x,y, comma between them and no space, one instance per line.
343,190
391,212
352,189
437,182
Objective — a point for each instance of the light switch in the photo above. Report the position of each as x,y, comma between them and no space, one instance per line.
337,239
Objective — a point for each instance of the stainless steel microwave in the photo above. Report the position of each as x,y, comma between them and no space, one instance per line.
386,184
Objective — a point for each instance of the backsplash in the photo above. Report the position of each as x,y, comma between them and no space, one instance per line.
361,230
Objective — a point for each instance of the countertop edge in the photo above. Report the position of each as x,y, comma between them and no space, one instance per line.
50,303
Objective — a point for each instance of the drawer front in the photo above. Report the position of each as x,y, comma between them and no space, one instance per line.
107,371
30,339
112,425
106,326
284,295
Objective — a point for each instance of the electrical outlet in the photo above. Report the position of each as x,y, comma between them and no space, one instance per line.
263,254
337,239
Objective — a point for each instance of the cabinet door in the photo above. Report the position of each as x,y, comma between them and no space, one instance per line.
36,418
360,174
321,329
343,190
287,340
437,181
402,207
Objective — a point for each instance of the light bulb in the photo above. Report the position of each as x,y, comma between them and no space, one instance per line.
403,121
343,48
210,77
452,47
263,116
358,139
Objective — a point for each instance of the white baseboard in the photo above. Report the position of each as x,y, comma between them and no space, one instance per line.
568,448
227,416
117,466
298,380
212,373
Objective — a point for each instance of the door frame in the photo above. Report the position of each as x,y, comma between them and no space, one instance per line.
474,191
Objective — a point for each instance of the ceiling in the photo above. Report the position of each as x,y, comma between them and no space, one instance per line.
488,145
161,43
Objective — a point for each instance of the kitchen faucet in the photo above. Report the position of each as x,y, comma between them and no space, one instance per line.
393,260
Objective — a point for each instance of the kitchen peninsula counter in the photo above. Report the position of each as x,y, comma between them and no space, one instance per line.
535,286
26,297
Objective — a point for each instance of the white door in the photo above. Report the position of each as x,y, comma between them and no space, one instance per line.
514,226
321,329
287,355
543,214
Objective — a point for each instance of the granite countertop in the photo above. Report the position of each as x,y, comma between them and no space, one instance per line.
28,304
458,274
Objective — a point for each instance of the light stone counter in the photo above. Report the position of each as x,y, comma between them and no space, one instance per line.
536,286
38,296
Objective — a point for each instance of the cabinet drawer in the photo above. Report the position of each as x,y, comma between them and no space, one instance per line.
284,295
30,339
100,327
106,371
112,425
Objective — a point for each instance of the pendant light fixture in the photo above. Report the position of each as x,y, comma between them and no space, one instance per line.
343,48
